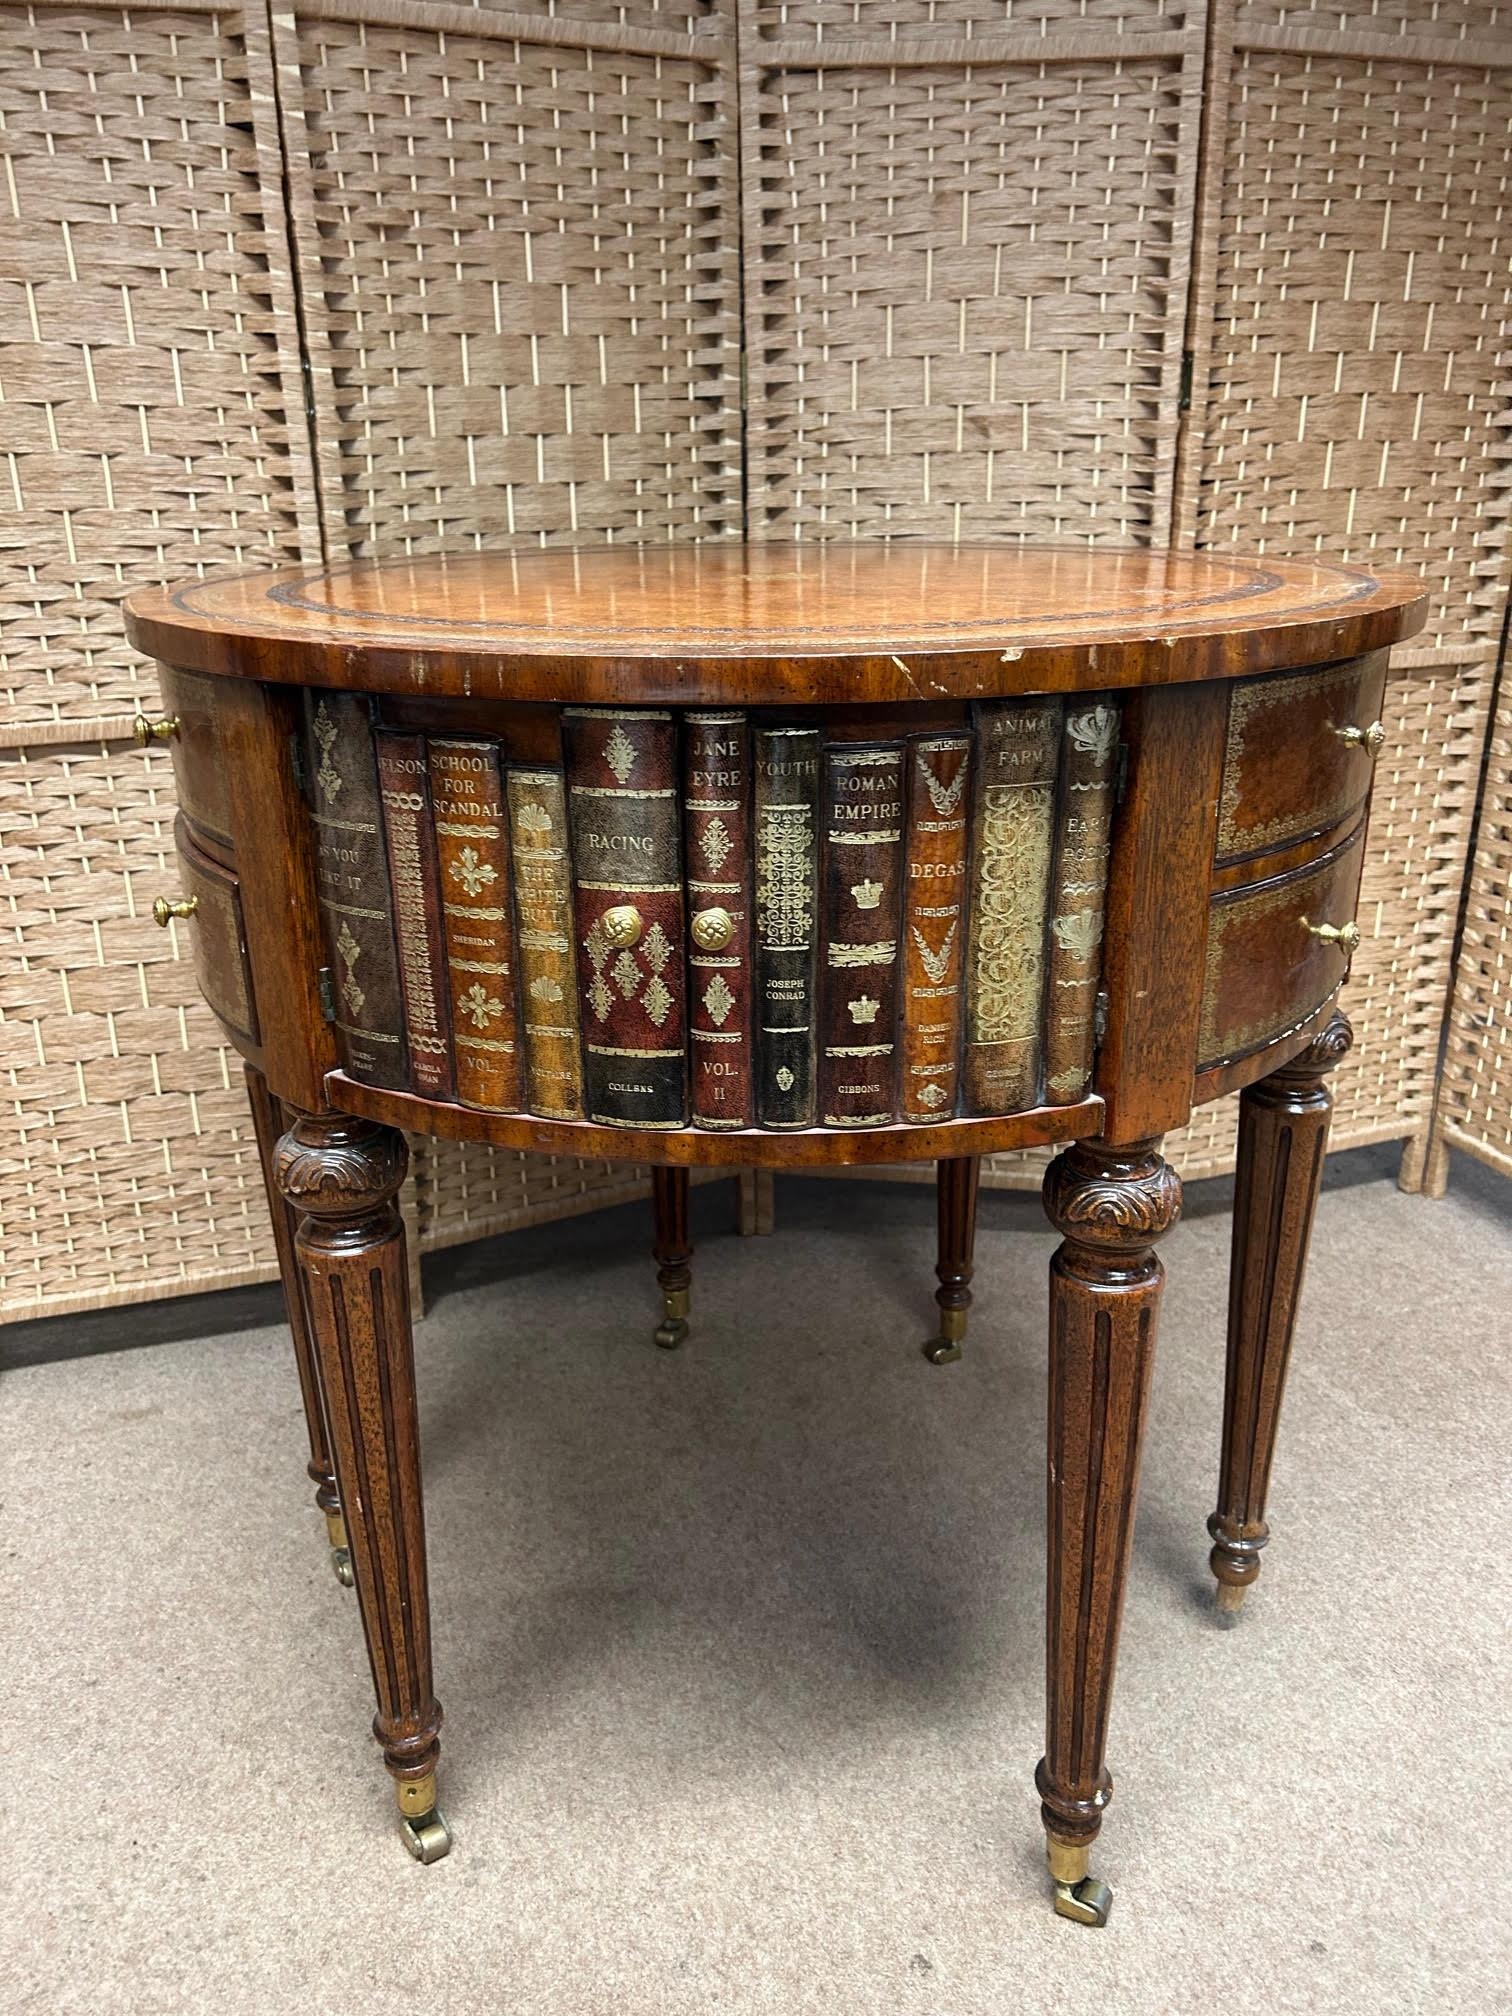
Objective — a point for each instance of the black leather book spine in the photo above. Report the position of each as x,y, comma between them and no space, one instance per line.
787,879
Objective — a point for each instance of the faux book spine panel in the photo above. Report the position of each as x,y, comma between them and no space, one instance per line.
415,883
935,923
622,778
548,978
1083,841
472,851
1018,744
862,806
717,814
352,883
787,890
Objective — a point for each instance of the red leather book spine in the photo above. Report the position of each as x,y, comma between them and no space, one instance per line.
717,816
861,810
404,784
934,925
352,883
472,850
628,913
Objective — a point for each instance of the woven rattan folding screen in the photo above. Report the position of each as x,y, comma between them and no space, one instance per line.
372,276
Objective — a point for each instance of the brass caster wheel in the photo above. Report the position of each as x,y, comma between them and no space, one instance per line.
428,1838
671,1332
341,1566
1084,1903
942,1351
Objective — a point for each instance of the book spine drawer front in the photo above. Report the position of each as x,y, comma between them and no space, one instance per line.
352,883
628,912
787,876
472,850
537,803
938,781
1018,743
404,781
862,825
1083,841
717,816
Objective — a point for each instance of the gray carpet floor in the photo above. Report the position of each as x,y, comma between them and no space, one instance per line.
741,1647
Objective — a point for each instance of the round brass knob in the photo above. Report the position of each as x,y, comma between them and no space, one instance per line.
712,929
163,911
1345,936
621,925
1372,739
144,732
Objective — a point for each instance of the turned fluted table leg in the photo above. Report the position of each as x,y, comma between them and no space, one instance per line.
267,1125
1110,1204
1283,1135
340,1176
956,1182
672,1249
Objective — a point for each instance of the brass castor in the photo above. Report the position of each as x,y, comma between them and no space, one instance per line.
1231,1597
673,1328
946,1348
426,1834
341,1553
1084,1899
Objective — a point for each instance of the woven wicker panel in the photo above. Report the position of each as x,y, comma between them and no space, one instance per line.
1349,324
518,266
144,329
1475,1097
128,1168
966,271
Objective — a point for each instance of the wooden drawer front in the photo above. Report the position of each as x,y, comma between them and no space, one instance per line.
198,768
220,942
1287,771
1266,972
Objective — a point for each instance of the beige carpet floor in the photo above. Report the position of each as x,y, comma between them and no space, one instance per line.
741,1648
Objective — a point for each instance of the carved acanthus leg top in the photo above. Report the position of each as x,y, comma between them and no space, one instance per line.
1110,1205
267,1122
1283,1135
341,1175
956,1183
672,1248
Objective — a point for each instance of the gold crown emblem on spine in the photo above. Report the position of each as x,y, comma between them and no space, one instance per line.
867,894
864,1009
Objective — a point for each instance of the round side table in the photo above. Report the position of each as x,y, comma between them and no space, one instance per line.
1092,967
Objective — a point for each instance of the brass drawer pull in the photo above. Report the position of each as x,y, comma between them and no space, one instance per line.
163,912
712,930
621,925
1345,936
144,732
1372,739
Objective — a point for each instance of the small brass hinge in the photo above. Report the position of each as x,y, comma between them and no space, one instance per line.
327,992
1099,1017
1184,396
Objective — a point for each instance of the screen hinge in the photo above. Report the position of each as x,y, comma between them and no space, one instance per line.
1184,396
1099,1017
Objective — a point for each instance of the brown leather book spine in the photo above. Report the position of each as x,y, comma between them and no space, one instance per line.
717,827
1083,841
861,807
787,925
404,785
938,780
627,889
352,882
537,802
1018,746
472,851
